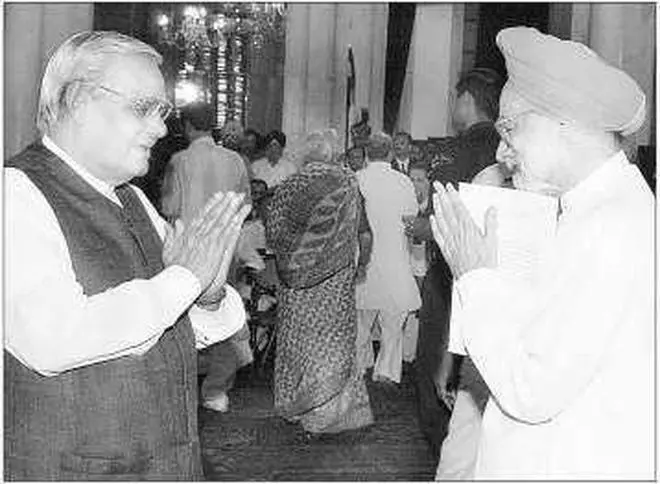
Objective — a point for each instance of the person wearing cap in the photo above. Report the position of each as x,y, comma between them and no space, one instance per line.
273,168
569,361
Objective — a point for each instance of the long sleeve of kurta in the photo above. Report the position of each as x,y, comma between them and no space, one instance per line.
538,350
51,326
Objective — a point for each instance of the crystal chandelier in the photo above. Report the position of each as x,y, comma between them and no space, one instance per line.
207,46
208,25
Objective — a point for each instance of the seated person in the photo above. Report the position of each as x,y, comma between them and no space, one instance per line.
273,168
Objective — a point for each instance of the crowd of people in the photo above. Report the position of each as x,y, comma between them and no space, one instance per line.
117,299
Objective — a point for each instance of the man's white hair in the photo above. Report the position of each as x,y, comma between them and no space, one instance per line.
79,63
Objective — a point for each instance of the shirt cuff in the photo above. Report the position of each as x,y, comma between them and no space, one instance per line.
219,325
179,288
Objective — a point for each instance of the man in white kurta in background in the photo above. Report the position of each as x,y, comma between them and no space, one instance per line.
569,362
389,292
192,177
201,170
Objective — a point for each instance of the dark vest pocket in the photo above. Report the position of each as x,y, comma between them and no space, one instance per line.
90,462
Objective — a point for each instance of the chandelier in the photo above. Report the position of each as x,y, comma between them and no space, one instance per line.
210,48
195,26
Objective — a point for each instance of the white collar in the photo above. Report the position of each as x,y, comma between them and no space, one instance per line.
100,186
597,185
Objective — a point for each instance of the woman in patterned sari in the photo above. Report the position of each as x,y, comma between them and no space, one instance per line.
312,227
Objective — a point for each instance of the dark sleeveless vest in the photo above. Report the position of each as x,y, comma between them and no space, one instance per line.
130,418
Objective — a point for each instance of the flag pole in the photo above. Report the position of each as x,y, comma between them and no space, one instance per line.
350,88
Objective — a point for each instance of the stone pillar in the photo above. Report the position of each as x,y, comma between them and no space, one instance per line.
624,35
433,67
295,69
621,33
606,30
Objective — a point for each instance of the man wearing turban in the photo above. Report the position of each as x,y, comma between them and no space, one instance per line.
569,361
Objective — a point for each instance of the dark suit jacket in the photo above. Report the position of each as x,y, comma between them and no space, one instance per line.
474,150
395,166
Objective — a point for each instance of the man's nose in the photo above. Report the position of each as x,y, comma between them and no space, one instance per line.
156,127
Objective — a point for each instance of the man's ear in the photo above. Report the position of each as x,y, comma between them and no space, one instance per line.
80,107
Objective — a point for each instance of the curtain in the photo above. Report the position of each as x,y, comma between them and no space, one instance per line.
32,31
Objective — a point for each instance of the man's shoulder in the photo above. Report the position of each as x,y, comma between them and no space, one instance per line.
482,136
26,156
182,155
226,152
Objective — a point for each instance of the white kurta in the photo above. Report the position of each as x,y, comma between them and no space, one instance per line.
570,365
52,326
199,172
389,283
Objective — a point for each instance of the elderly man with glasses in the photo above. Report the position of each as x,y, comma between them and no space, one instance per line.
106,303
568,360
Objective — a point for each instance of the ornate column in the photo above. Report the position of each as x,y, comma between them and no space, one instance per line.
433,68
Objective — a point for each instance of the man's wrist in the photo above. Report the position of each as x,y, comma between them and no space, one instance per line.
212,301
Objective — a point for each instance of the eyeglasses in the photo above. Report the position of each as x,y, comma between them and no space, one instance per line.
506,126
144,107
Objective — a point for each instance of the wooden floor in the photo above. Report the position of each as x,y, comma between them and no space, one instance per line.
250,443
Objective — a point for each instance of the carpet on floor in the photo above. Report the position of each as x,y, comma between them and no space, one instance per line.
250,443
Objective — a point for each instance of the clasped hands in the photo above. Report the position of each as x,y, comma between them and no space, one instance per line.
206,246
463,245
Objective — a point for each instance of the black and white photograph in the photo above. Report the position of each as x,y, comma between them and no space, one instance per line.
329,241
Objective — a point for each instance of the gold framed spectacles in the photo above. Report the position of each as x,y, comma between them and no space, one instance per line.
143,107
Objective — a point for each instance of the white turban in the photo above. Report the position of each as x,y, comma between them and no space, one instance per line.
568,81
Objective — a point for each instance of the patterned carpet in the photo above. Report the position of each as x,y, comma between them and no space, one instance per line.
250,444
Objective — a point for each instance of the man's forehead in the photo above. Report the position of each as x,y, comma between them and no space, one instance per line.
135,75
